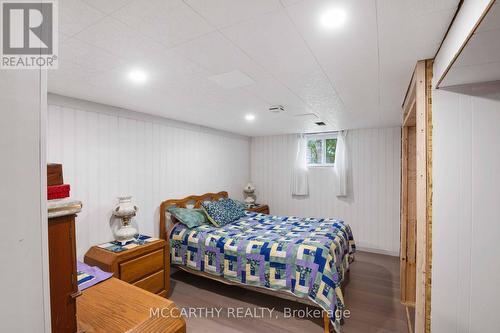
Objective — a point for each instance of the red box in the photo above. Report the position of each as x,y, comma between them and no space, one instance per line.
58,191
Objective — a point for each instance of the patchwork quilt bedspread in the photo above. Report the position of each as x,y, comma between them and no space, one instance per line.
305,256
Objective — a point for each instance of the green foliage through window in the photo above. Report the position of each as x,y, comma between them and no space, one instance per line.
314,151
321,150
331,147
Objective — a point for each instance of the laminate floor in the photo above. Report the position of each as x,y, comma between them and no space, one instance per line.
372,297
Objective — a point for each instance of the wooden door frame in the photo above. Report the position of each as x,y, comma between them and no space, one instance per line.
417,111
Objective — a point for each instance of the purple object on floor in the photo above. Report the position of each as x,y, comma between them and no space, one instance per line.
89,276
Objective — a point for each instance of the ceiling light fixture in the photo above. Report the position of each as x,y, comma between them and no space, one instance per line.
137,76
250,117
333,18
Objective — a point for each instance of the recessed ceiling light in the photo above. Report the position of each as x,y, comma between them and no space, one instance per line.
333,18
137,76
250,117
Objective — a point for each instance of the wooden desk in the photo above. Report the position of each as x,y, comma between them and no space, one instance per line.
114,306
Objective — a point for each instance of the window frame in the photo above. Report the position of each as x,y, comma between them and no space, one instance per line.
323,137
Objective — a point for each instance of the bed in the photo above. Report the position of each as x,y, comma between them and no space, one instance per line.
301,259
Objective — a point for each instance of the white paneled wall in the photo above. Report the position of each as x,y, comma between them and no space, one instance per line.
372,205
108,152
466,213
25,304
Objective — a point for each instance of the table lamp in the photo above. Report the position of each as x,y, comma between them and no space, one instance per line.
125,210
249,191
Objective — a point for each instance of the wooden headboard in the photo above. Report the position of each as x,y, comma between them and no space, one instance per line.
194,201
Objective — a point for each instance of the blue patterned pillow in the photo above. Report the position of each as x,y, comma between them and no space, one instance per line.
223,211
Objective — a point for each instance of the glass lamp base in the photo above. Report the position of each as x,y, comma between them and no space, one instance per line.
125,234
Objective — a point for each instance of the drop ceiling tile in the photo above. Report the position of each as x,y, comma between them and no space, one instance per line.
233,79
168,22
265,124
165,68
62,36
268,46
421,7
400,28
406,36
287,3
273,42
159,79
68,72
315,90
120,91
76,15
219,95
58,84
348,55
92,59
203,99
273,92
119,39
215,53
169,69
107,6
153,102
219,55
239,101
223,13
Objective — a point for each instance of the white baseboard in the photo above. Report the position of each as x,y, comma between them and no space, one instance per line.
378,251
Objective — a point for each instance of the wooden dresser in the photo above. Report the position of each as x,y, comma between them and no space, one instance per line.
62,264
142,266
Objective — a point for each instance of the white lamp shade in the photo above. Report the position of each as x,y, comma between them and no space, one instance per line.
125,207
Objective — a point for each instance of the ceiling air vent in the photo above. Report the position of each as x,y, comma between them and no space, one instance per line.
277,108
320,123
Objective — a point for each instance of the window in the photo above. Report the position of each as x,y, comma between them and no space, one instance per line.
321,149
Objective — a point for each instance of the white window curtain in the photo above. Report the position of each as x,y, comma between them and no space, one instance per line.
341,163
300,183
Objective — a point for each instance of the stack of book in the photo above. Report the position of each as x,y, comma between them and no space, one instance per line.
56,189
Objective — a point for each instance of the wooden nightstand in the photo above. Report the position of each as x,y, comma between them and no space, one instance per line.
143,266
263,209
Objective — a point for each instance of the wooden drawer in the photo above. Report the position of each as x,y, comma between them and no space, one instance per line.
135,269
153,283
